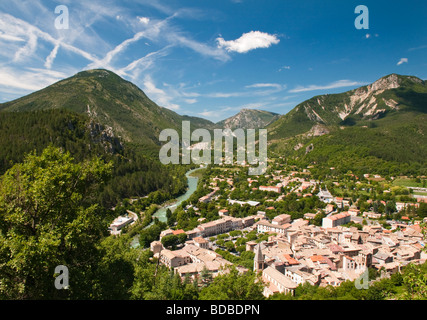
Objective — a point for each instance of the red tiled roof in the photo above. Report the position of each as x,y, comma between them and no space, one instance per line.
175,232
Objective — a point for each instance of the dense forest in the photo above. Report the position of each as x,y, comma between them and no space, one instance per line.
134,174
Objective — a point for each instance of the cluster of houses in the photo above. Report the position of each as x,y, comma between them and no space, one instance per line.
333,254
297,252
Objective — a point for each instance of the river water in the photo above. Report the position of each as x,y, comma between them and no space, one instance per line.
192,186
161,213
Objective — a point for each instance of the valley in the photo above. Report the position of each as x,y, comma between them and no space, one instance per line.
342,196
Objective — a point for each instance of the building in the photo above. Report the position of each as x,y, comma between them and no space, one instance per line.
258,259
207,198
201,242
270,189
119,223
156,247
325,196
281,219
223,212
336,220
265,226
173,259
277,282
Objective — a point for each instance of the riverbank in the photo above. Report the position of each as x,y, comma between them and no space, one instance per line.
192,181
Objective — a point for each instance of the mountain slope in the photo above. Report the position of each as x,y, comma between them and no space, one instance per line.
249,119
381,127
389,95
109,100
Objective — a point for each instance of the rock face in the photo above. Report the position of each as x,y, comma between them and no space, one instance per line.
249,119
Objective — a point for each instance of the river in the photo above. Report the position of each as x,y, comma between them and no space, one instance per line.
161,213
192,186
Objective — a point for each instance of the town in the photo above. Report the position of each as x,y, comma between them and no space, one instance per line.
292,228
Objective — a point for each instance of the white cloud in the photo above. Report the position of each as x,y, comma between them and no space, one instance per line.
402,60
144,20
51,57
198,47
248,41
25,81
190,101
9,37
208,114
266,85
285,68
158,95
334,85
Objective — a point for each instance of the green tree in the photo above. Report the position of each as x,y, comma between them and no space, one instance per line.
234,286
48,218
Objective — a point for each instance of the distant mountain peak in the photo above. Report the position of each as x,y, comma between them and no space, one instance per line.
249,119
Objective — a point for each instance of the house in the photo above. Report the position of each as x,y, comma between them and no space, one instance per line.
372,215
301,275
223,212
156,247
382,257
309,216
201,242
281,219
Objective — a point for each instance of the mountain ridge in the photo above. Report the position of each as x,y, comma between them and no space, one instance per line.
249,119
390,94
109,100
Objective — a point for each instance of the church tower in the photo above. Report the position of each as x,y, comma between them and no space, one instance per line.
258,259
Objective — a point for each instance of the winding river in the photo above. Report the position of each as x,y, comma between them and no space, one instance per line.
161,213
192,186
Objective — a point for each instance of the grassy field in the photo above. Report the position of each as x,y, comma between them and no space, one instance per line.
401,182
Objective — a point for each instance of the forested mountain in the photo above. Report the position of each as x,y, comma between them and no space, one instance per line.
111,101
97,113
134,173
380,127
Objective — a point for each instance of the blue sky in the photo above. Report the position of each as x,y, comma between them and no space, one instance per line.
213,58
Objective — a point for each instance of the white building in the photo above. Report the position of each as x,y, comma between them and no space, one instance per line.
336,220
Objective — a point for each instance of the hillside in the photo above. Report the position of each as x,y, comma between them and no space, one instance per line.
380,127
109,100
134,173
387,96
249,119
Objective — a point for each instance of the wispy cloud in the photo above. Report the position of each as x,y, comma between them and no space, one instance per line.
158,95
266,85
248,41
284,68
402,60
333,85
418,48
27,80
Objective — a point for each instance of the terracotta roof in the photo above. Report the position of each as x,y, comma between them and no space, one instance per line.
317,258
290,260
175,232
